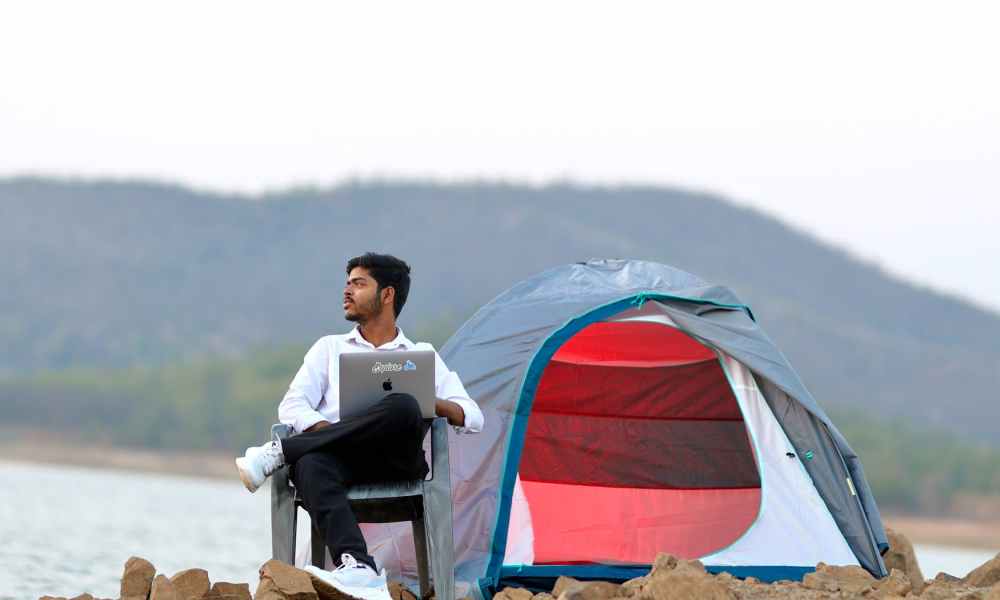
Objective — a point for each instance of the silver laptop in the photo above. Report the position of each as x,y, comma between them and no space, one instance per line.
367,377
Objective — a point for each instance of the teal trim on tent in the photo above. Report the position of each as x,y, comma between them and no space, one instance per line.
518,429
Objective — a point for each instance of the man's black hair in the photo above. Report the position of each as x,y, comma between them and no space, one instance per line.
387,271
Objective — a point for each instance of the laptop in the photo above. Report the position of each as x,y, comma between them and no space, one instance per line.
367,377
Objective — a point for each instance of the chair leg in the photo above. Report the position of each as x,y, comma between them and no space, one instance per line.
437,514
420,547
283,515
438,520
318,547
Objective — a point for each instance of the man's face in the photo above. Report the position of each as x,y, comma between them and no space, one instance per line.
361,298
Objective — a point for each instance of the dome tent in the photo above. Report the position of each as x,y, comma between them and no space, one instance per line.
631,408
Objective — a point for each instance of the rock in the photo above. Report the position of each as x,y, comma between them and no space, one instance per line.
222,590
324,591
986,574
994,593
689,566
137,579
663,564
191,584
897,584
831,578
633,587
589,590
279,581
164,590
53,598
673,579
751,581
543,596
683,587
398,591
948,590
946,577
510,593
561,584
83,596
901,556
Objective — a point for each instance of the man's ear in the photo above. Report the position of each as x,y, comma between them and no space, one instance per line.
388,295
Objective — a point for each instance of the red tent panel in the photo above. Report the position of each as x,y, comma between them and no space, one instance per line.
636,445
581,524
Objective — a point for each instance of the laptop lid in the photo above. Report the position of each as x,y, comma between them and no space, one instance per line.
367,377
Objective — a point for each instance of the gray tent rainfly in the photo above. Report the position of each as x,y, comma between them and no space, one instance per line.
632,408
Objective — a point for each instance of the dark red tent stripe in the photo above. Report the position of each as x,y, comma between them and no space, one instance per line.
638,453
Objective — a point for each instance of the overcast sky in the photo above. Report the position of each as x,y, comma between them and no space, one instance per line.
873,125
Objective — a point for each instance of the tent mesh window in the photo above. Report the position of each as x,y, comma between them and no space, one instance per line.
636,445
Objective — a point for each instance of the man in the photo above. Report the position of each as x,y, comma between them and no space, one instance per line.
330,454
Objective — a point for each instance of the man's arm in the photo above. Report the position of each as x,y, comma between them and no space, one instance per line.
298,407
452,410
453,401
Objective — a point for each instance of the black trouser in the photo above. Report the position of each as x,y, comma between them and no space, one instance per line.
383,444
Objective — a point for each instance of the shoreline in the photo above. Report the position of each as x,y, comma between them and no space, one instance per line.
45,448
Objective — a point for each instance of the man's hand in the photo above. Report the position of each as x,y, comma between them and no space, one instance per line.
452,411
319,425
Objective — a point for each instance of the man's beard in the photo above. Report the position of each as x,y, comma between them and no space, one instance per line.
374,307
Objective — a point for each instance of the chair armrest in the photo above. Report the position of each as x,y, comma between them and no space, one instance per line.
280,431
439,449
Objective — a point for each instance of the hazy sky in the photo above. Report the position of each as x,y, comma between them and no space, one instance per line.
873,125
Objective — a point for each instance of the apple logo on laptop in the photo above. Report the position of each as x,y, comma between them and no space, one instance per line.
387,385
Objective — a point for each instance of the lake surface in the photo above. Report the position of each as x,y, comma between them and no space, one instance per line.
69,530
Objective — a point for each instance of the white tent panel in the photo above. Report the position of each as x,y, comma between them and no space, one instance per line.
794,527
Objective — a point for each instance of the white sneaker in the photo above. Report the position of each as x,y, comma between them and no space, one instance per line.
258,463
354,579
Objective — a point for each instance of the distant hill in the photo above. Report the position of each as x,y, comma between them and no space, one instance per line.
114,274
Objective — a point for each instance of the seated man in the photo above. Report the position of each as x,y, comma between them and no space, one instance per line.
330,454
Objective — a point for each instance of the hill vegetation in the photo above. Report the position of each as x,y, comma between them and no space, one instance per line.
136,275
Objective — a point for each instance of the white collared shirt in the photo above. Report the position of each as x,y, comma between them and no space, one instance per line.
314,394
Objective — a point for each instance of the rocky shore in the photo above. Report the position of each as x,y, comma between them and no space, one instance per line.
669,579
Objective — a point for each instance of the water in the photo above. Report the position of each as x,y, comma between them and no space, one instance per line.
68,530
955,561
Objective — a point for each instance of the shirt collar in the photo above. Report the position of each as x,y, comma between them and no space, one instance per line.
400,341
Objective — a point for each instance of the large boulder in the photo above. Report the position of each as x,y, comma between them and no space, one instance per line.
994,593
901,556
561,584
279,581
633,587
191,584
222,590
675,579
164,590
512,593
830,578
590,590
986,574
137,579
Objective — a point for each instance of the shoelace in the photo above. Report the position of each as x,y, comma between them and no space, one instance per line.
272,457
347,561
